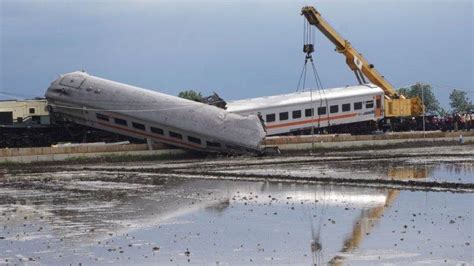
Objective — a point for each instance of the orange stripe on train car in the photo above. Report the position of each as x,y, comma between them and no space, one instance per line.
312,120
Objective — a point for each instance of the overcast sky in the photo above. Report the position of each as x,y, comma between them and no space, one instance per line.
239,49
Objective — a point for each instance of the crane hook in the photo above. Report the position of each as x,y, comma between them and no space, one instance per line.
308,49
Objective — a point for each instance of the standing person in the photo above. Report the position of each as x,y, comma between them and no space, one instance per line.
413,124
451,122
469,120
444,124
456,121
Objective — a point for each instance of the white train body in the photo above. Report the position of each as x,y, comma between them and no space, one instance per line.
99,103
336,107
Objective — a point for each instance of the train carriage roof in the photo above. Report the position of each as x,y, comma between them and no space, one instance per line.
302,97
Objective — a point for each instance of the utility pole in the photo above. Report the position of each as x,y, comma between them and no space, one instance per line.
423,104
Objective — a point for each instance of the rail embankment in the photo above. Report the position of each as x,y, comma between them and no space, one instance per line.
64,153
289,144
337,141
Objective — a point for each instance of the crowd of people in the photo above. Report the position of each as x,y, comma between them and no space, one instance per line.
462,121
455,122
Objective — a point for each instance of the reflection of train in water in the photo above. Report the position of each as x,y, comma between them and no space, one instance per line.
123,206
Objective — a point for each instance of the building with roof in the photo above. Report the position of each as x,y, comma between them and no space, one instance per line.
24,112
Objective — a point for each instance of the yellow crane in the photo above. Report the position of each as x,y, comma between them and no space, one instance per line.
396,105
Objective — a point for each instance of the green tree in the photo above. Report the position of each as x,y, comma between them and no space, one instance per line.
459,101
190,95
419,89
443,112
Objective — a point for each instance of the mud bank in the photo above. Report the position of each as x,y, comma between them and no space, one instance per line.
289,145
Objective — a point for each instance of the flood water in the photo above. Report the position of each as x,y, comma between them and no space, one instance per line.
98,217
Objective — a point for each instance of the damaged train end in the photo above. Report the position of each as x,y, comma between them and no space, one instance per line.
132,111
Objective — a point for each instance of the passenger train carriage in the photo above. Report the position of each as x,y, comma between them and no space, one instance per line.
131,111
355,109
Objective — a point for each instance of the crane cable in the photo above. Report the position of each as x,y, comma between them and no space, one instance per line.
308,49
321,88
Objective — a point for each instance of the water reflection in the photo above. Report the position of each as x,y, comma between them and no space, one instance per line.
413,169
408,172
457,169
69,216
365,223
85,208
371,204
458,172
346,169
444,172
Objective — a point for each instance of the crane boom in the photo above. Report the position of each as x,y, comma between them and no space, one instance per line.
396,105
354,59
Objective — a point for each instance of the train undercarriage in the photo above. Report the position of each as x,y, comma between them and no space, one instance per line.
18,136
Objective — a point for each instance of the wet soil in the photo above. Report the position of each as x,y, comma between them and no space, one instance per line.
394,206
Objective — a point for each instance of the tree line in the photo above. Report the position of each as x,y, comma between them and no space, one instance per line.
458,99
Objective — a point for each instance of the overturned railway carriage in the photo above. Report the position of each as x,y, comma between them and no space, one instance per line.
99,103
355,109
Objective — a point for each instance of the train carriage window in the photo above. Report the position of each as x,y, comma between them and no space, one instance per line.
369,104
176,135
138,126
213,144
322,110
357,105
194,140
283,116
334,109
102,117
119,121
378,104
308,112
296,114
346,107
156,130
270,118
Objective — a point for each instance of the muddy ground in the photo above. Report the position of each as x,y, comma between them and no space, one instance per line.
410,205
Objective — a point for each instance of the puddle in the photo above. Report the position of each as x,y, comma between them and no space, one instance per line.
92,217
459,172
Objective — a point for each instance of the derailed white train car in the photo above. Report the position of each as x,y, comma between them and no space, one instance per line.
99,103
352,109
